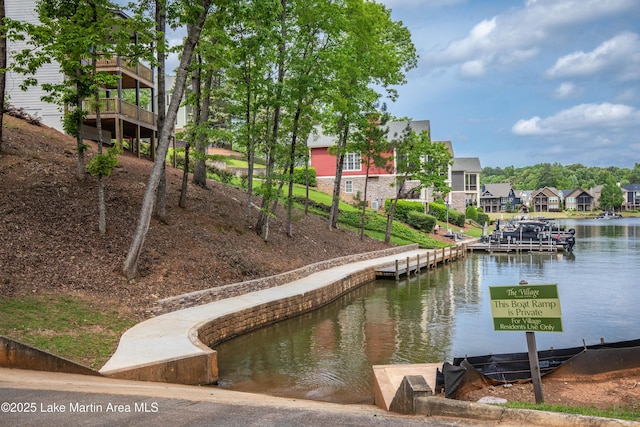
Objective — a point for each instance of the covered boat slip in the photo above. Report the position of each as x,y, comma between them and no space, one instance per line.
540,235
470,373
516,246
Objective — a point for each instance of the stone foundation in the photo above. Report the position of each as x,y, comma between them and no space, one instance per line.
193,299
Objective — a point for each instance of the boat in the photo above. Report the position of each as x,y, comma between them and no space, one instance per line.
540,231
609,215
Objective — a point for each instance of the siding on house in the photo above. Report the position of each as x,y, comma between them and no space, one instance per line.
631,195
30,100
578,200
465,182
545,200
380,179
120,119
497,197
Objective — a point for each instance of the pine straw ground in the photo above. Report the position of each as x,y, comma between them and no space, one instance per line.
50,245
49,239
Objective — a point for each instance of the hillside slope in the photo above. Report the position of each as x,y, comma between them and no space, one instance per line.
49,239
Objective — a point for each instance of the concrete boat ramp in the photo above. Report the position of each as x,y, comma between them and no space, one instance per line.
176,347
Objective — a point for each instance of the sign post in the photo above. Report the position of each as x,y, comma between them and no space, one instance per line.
528,308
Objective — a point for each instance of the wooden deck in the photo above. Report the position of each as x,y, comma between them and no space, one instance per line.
431,258
516,247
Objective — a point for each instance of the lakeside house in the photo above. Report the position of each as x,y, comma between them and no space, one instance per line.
631,194
465,183
498,198
124,115
463,176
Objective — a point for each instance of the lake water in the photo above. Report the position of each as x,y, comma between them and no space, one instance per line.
444,313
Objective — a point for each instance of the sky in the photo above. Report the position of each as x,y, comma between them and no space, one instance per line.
521,82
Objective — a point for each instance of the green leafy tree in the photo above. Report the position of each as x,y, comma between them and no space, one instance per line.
198,14
250,47
375,51
75,35
374,147
634,176
611,197
419,159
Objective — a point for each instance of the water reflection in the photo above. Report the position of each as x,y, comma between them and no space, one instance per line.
328,354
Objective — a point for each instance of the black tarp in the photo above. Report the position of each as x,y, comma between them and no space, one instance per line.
469,373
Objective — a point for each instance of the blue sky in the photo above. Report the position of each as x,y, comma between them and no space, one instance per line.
525,82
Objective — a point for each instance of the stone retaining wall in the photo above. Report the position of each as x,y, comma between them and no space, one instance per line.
206,296
234,324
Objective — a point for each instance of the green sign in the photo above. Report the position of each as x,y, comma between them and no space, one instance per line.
526,308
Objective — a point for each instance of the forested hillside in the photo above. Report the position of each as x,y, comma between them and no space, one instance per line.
50,243
559,176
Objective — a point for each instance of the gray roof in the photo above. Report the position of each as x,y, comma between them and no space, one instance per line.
632,187
575,192
497,190
319,139
466,164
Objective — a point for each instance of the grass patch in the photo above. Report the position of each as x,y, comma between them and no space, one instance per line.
69,327
618,413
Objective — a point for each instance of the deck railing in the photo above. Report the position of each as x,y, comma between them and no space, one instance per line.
112,106
138,69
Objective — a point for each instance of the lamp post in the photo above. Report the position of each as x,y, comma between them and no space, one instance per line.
446,201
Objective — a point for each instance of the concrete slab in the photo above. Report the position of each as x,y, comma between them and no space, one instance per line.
387,380
172,336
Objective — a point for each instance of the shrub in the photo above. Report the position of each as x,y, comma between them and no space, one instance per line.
320,206
224,175
483,218
472,213
300,176
421,221
440,211
403,207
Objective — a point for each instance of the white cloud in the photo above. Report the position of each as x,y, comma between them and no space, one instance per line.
620,53
628,95
516,35
567,90
472,69
580,120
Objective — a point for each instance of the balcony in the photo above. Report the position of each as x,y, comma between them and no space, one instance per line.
114,106
130,73
123,119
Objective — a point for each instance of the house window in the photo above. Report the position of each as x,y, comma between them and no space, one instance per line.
348,186
351,162
471,182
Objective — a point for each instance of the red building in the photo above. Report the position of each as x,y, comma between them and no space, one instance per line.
354,174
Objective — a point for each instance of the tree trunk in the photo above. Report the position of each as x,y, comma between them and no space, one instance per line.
130,265
102,215
3,65
202,142
185,178
161,195
392,211
262,225
343,132
364,200
79,137
250,124
292,160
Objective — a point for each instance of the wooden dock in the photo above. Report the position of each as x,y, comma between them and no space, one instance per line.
530,246
429,259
